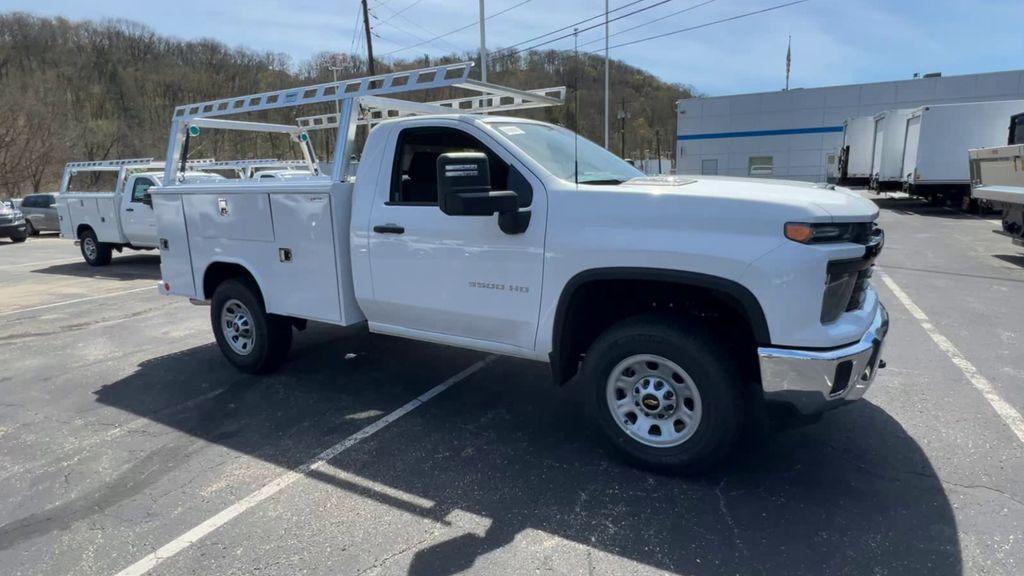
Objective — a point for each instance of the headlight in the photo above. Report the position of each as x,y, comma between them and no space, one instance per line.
18,216
815,233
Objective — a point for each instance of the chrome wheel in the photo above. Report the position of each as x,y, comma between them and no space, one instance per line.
90,248
653,400
236,325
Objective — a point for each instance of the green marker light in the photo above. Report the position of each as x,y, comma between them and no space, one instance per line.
193,130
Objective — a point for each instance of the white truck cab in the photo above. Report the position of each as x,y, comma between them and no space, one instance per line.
123,218
685,309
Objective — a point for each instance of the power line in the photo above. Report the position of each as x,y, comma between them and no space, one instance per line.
418,26
599,24
395,12
705,25
653,21
457,30
574,24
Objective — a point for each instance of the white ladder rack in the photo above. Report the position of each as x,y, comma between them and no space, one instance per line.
380,109
368,93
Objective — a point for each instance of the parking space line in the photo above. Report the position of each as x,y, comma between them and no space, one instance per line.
1008,413
77,300
61,261
273,487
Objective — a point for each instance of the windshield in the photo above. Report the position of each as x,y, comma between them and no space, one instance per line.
555,148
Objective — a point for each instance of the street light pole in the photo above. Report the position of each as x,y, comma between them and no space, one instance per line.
483,45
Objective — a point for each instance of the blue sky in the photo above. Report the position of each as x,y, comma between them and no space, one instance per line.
834,41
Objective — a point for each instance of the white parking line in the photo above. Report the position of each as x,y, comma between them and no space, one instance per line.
77,300
1008,413
61,261
224,516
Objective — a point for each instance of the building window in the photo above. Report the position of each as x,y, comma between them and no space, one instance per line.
760,165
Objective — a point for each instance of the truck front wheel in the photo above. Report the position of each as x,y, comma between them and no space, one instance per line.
665,393
253,340
95,252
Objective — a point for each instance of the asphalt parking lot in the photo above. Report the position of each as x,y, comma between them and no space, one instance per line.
128,443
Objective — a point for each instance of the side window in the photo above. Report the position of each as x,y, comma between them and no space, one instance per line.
49,200
28,202
414,172
139,189
760,165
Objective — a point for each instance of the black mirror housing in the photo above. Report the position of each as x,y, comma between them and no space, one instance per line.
464,187
147,199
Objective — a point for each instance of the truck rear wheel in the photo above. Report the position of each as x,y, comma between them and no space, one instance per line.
665,393
95,252
253,340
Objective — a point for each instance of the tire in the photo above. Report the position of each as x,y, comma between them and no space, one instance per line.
95,252
678,360
19,239
254,341
30,229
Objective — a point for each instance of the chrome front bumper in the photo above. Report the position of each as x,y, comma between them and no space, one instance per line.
813,381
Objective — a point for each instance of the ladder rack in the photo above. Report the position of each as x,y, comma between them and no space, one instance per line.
369,94
380,109
141,163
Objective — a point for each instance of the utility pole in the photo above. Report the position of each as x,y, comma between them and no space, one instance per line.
483,44
369,39
657,148
622,126
606,144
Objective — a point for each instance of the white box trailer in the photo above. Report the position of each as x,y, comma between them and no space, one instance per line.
935,159
887,155
855,156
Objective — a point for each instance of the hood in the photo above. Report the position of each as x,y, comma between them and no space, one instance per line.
814,202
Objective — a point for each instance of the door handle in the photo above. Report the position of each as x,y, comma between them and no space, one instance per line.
389,229
129,209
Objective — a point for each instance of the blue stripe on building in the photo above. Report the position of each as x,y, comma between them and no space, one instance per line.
757,133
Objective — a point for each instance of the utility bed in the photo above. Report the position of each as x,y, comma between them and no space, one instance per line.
997,177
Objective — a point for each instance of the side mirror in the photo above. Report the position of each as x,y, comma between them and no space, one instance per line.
147,199
464,187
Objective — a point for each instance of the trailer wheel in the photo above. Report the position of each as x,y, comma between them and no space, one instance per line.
95,252
253,340
666,393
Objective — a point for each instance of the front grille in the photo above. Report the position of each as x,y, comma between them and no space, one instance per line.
6,218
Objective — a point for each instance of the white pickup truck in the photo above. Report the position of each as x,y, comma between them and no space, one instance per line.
102,222
682,307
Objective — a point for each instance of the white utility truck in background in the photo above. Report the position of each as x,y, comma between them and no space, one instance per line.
686,309
101,222
887,155
855,156
997,177
935,161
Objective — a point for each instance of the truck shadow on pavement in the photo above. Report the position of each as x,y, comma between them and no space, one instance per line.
131,267
853,494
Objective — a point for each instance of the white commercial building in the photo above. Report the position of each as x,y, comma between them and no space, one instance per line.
797,134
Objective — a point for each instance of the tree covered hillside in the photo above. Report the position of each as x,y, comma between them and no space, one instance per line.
92,91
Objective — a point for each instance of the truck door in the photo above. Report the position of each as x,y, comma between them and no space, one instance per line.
453,276
137,218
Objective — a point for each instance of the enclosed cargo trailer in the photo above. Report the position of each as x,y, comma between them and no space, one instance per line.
855,156
887,159
935,160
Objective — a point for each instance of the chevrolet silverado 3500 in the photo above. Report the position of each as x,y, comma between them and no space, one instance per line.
682,307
